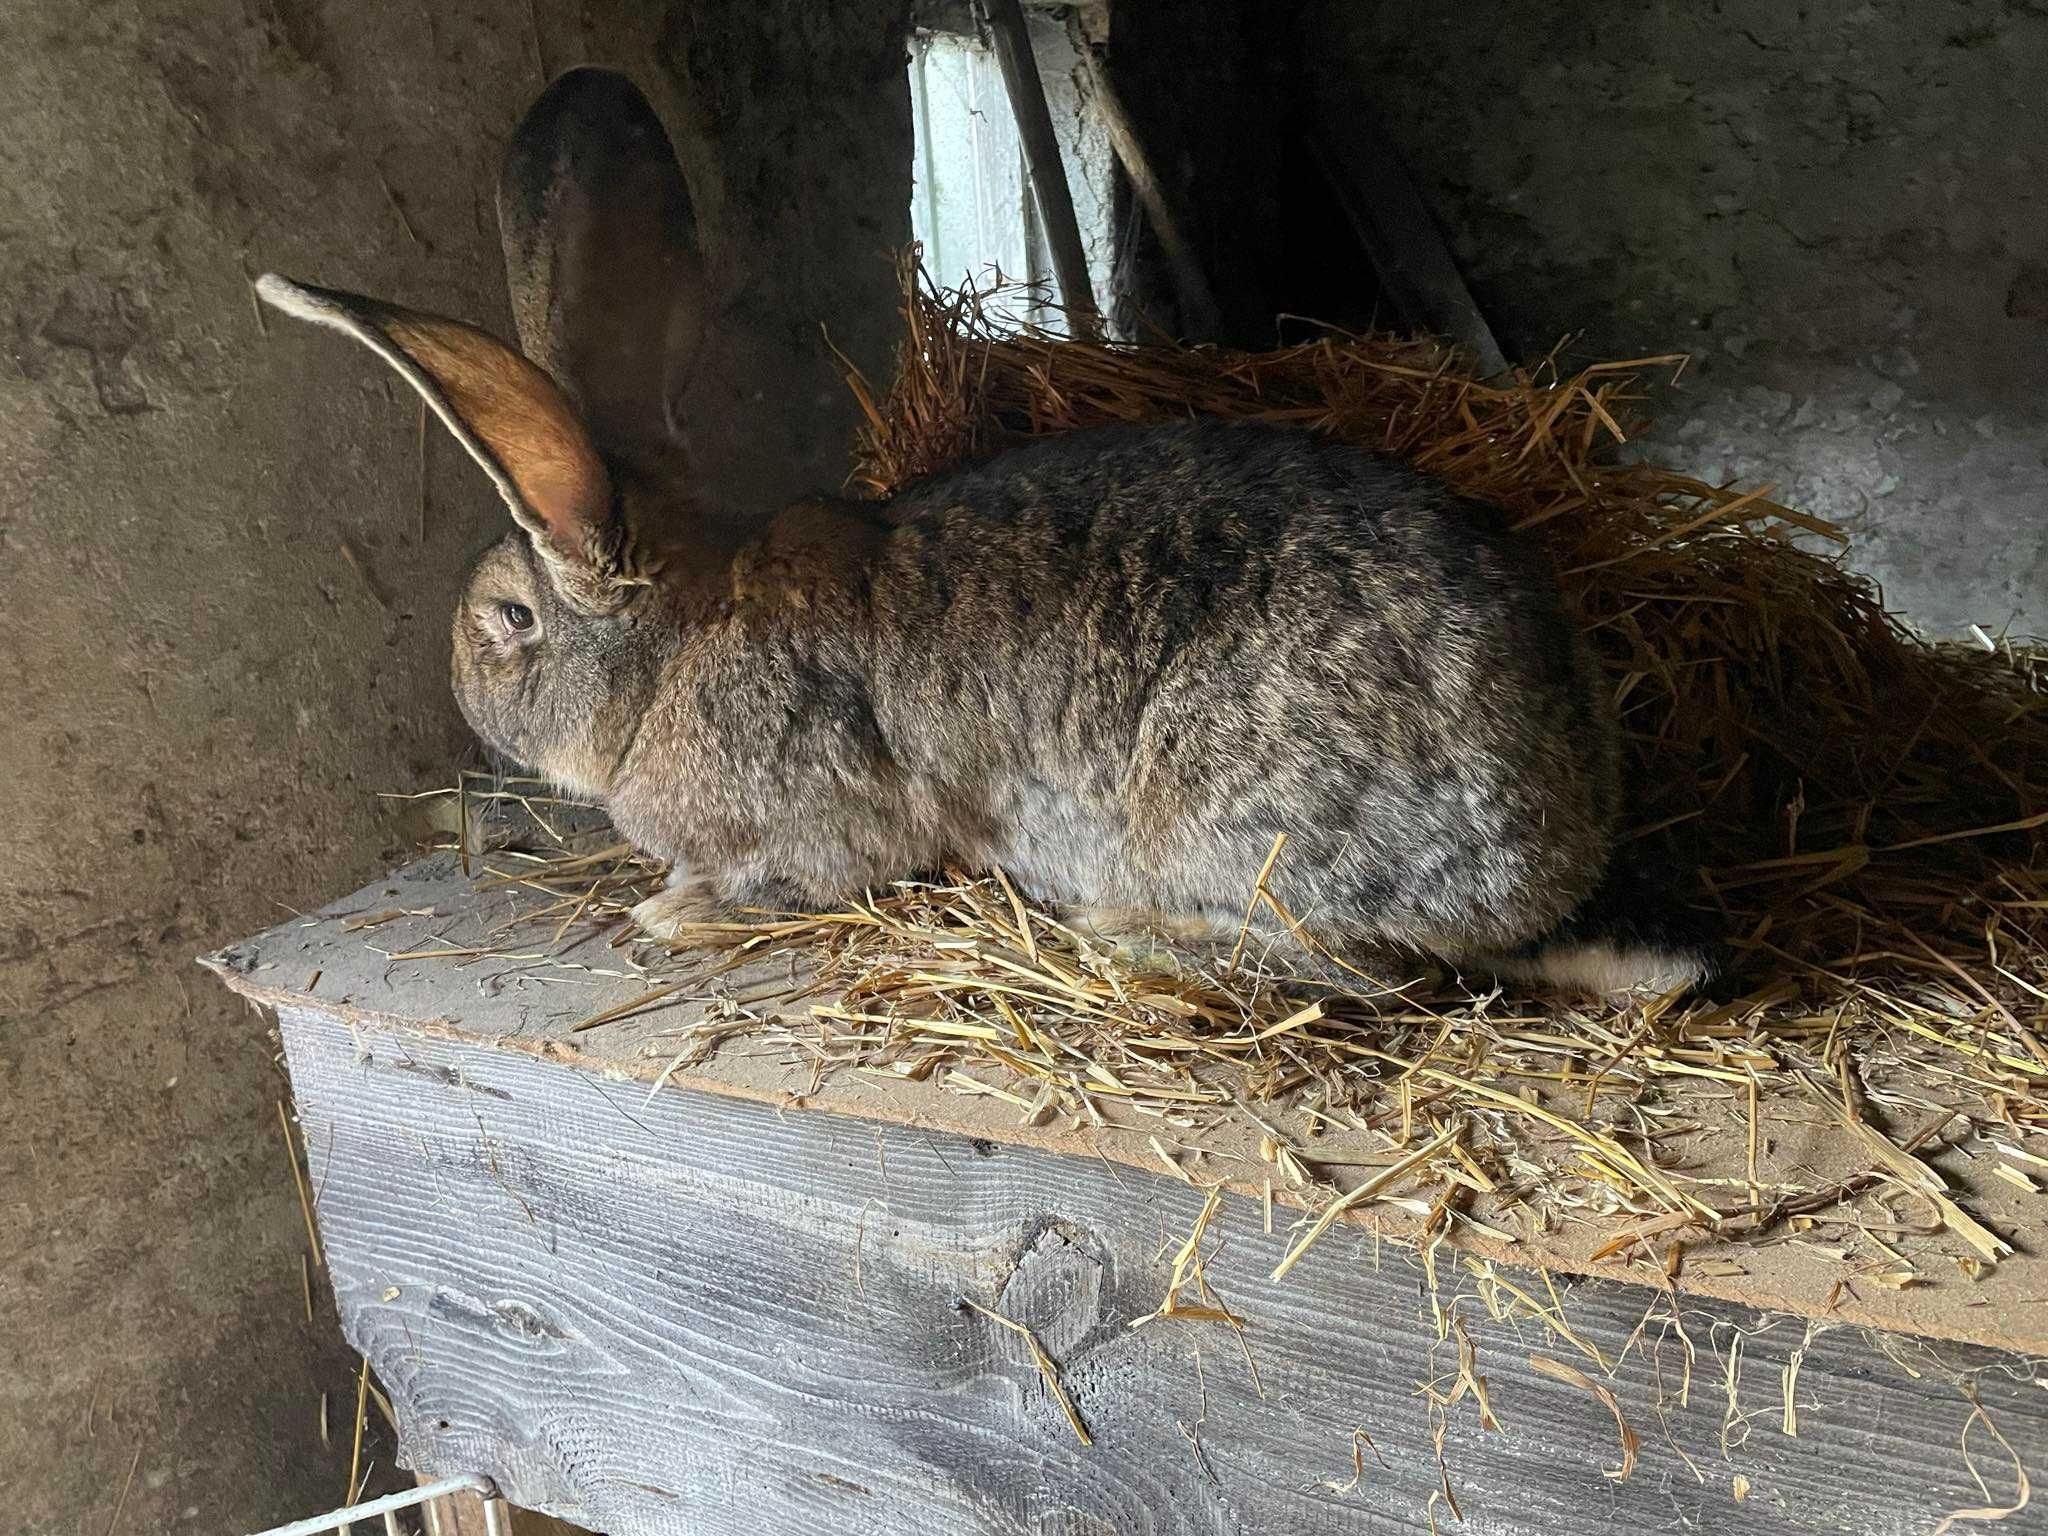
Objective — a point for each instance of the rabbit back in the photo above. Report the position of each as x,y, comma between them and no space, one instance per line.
1124,661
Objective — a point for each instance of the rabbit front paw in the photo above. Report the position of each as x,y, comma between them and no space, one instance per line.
672,911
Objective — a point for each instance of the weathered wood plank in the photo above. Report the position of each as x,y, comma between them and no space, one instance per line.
1019,66
1416,269
677,1312
427,949
1200,315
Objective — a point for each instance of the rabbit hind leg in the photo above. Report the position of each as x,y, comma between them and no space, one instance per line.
1147,940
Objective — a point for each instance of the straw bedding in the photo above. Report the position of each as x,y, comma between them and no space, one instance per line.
1863,809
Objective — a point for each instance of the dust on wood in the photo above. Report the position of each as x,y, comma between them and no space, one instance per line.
430,947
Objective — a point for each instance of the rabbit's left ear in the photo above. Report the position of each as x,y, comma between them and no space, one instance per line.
603,258
510,415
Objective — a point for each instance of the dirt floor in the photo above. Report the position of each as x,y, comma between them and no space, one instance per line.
225,574
225,596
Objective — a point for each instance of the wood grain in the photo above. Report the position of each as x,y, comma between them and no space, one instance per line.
680,1312
425,949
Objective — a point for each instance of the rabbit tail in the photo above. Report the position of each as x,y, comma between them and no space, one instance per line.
1635,933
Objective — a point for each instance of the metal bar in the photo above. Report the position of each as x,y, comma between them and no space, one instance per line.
335,1519
1005,20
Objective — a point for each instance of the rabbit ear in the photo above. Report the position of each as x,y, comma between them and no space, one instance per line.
602,254
509,415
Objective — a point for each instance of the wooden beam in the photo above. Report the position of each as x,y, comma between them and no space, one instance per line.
463,1514
1055,199
1200,316
427,948
1416,270
677,1312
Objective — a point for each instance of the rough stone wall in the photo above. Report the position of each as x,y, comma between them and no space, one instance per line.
1841,209
223,609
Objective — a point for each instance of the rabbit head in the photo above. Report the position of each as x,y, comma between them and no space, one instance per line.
563,624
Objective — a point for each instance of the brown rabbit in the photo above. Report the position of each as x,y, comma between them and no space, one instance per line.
1116,664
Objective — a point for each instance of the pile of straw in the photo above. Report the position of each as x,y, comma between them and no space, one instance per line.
1863,808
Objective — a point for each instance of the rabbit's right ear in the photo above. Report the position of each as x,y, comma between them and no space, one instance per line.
507,413
602,255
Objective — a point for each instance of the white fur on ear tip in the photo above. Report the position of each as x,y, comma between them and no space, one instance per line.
294,299
337,312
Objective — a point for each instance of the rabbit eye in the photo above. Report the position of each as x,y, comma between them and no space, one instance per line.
517,616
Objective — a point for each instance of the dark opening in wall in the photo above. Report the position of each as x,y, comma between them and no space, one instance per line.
1320,273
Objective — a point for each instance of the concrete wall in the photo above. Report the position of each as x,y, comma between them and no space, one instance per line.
223,608
1841,209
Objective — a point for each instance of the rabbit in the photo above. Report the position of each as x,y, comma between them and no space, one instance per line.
1116,664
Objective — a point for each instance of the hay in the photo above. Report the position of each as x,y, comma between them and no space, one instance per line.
1864,810
1865,807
